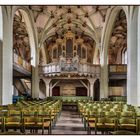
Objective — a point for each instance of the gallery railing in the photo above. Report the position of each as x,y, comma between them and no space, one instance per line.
81,69
20,62
117,68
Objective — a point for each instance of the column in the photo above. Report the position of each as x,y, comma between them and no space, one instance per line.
50,88
92,81
138,81
133,59
47,83
15,91
104,72
6,59
35,78
104,81
88,89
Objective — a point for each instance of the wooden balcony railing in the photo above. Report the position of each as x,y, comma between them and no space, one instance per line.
22,63
82,69
117,68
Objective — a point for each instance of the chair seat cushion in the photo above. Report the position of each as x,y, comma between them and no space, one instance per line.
12,123
46,124
109,125
91,124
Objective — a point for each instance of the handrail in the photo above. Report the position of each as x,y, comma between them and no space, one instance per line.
21,62
117,68
81,69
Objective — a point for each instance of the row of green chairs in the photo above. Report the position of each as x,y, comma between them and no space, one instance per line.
27,115
109,116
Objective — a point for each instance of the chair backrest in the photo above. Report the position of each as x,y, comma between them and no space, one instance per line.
14,113
130,114
126,120
12,119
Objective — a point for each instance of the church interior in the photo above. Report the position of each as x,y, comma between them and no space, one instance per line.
70,70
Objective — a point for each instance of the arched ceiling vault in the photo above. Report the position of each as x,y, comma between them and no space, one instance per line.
59,19
52,22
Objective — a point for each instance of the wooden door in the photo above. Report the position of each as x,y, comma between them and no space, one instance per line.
97,90
56,91
81,91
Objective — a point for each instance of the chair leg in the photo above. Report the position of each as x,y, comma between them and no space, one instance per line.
50,130
102,132
36,131
88,130
85,126
95,131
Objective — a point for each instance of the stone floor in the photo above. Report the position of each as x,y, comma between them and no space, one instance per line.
69,123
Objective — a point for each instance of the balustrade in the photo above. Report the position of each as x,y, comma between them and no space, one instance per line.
118,68
21,62
84,69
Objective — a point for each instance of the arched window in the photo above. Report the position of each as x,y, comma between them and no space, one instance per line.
124,56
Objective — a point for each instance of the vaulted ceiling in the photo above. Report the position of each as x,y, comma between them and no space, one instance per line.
21,43
81,20
85,21
118,40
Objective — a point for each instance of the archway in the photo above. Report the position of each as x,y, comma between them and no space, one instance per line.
107,32
30,41
118,43
26,15
22,56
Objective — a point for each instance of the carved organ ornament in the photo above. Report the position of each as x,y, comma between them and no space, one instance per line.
70,48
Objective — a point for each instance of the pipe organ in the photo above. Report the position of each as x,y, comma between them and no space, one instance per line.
70,47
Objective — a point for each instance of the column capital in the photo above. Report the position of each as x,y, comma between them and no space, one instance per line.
47,80
92,80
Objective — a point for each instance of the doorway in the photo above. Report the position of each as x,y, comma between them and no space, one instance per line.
81,91
56,91
97,90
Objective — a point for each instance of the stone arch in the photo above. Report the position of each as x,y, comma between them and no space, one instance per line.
92,34
111,17
30,29
107,30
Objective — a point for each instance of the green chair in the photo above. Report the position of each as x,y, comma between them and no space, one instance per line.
13,122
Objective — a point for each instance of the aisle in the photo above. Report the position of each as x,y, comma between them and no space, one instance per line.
69,123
